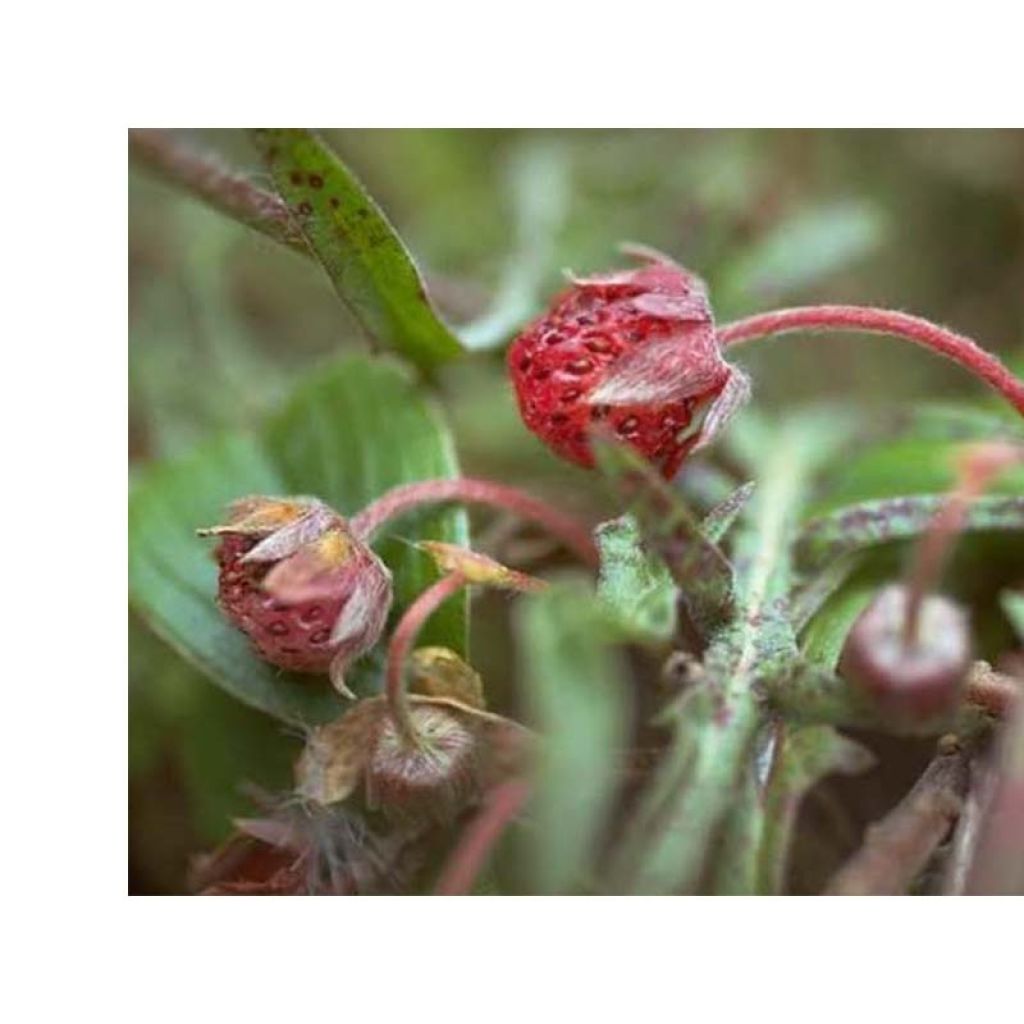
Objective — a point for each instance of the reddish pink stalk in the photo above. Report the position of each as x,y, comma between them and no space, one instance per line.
475,845
406,497
981,464
953,346
402,641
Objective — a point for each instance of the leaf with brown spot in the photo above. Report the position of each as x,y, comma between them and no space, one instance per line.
370,268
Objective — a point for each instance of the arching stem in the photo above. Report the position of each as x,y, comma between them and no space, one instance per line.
947,343
402,641
463,867
978,467
407,497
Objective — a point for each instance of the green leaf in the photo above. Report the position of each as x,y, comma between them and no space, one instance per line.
539,183
870,523
804,249
633,582
788,761
370,268
896,467
345,436
575,696
353,431
823,639
715,525
696,564
1013,605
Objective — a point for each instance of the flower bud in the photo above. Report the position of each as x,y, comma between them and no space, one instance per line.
913,686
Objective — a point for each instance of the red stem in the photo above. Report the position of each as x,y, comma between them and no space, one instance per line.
883,321
982,463
406,497
402,641
467,860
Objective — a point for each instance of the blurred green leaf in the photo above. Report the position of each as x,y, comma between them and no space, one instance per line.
575,695
786,764
357,428
539,183
870,523
804,249
698,567
216,744
898,466
633,582
370,268
823,639
715,525
1013,605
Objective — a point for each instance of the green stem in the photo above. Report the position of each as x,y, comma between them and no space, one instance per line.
758,644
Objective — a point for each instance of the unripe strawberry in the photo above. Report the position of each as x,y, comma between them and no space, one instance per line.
633,352
915,687
293,578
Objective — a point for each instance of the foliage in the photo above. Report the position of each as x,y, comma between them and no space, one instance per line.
668,756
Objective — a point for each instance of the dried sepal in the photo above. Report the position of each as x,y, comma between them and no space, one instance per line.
477,568
307,849
312,570
458,751
440,672
331,764
259,515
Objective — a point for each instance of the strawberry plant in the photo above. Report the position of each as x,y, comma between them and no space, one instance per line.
730,648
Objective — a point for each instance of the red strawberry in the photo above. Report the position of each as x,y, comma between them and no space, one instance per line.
634,351
308,594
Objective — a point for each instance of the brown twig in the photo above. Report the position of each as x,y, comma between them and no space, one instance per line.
992,691
208,178
997,867
898,847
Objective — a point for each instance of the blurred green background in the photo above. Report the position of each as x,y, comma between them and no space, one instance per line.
224,321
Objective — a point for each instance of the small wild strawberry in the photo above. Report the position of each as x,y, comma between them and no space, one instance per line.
632,352
910,685
309,595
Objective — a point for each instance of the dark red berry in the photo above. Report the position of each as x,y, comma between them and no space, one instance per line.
307,593
634,351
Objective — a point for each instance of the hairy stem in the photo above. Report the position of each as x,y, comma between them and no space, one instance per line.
898,847
402,641
209,179
463,867
953,346
405,498
979,466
